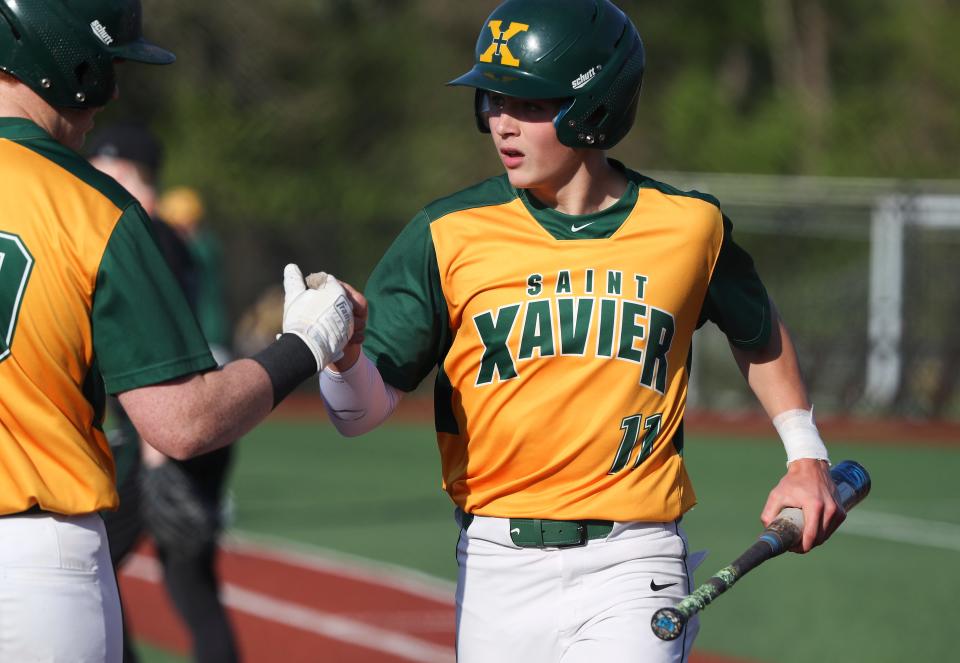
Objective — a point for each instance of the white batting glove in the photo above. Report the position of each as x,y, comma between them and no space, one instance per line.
321,315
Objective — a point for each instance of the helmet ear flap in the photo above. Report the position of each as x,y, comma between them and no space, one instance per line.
481,109
601,119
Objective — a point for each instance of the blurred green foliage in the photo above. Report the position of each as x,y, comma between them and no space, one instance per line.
316,128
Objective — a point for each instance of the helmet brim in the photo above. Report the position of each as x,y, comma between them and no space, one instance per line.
143,51
511,82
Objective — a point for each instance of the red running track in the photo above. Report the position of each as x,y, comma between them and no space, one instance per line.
296,607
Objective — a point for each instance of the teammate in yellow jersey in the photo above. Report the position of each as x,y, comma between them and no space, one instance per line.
558,302
88,307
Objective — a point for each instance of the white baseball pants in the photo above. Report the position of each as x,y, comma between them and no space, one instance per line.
58,594
585,604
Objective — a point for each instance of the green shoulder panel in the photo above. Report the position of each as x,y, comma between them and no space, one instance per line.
408,332
644,182
736,300
32,137
143,329
493,191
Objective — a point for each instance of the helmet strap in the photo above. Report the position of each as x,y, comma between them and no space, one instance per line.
558,118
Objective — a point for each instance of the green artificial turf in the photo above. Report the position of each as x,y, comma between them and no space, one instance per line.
859,598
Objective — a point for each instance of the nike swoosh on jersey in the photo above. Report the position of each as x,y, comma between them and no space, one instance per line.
575,228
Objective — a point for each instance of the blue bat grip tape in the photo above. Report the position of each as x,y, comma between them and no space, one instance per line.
773,541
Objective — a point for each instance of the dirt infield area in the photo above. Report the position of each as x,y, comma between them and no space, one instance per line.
299,607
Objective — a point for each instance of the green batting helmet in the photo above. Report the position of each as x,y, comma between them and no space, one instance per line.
64,50
585,51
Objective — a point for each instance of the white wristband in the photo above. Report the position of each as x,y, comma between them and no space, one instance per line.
800,436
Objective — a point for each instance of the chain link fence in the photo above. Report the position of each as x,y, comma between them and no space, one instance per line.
850,295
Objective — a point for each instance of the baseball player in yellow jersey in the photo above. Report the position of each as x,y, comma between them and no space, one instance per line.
558,302
88,307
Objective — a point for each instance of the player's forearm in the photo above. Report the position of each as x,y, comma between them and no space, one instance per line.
773,372
774,376
197,414
357,400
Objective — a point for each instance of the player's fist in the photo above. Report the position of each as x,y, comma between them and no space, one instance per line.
357,301
321,315
353,348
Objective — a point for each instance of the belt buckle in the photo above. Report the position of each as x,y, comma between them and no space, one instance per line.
564,543
540,533
581,536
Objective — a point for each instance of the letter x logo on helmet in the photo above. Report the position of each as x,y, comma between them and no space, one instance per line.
585,51
64,50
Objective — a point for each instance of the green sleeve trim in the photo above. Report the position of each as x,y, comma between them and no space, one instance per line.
736,300
156,374
143,329
408,332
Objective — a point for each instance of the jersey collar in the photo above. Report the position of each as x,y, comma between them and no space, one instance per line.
597,225
20,128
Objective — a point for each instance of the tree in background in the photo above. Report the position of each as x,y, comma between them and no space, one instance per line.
311,128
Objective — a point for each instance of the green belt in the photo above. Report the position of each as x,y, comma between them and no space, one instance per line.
539,533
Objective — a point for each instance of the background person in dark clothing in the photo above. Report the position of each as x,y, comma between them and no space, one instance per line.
185,530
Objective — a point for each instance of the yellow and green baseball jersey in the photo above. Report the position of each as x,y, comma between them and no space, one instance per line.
87,305
563,343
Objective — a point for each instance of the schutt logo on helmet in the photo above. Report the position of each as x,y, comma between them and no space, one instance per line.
585,78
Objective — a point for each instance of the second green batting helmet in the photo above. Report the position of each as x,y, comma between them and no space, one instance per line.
65,50
585,51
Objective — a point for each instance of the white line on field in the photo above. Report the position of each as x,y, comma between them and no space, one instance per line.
309,619
338,563
902,529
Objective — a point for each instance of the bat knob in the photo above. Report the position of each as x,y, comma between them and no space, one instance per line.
667,624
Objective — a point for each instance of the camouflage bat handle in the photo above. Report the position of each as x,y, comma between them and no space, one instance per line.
853,484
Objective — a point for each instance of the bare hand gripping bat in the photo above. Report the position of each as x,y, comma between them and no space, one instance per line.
853,484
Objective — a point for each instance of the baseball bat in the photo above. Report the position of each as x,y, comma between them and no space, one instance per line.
853,485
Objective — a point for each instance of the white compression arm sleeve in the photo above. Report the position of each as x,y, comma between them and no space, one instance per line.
357,400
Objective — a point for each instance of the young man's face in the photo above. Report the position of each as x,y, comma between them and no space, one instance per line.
526,140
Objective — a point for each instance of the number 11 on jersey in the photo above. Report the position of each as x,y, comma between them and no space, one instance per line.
632,427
